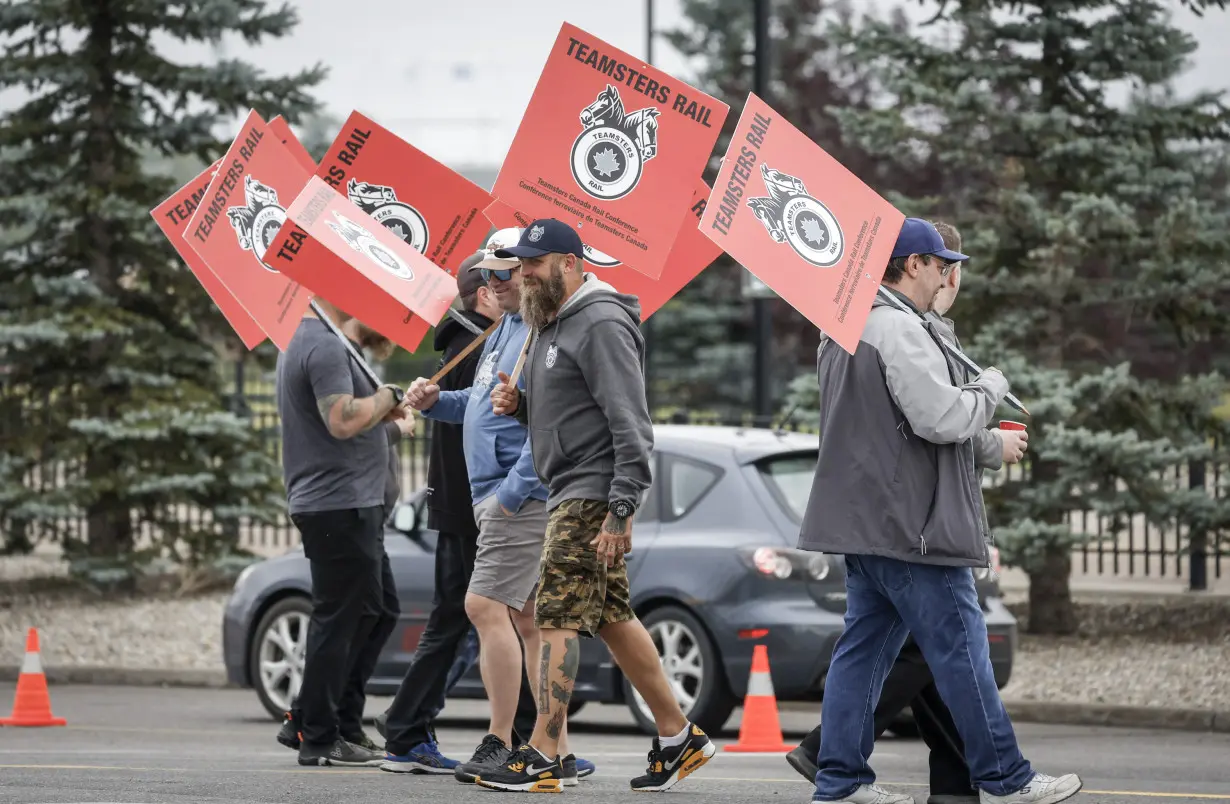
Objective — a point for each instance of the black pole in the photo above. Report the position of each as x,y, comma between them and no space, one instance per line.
648,326
1198,541
762,307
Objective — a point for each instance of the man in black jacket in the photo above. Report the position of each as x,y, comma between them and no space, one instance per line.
451,513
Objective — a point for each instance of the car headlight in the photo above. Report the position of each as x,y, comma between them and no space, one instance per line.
784,563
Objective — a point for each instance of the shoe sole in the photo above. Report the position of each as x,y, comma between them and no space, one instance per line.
540,786
289,743
686,769
801,768
571,781
326,762
1061,795
414,767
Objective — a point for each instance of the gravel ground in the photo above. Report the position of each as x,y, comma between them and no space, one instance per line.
1169,652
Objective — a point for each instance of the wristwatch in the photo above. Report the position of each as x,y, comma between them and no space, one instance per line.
622,509
398,394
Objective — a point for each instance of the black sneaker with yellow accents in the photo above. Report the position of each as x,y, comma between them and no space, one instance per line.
668,765
524,771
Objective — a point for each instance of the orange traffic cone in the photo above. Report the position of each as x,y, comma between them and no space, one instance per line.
761,729
32,704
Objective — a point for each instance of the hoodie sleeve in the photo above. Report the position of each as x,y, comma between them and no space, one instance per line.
522,479
917,376
988,450
450,407
610,363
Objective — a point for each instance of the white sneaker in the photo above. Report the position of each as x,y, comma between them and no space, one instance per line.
873,794
1041,789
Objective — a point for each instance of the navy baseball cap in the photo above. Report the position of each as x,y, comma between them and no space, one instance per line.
545,236
920,237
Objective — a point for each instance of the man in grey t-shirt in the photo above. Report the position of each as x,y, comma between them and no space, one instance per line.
335,458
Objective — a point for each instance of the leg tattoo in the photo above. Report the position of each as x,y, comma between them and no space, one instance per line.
544,671
562,692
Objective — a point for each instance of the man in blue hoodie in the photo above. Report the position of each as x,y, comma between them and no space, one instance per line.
510,509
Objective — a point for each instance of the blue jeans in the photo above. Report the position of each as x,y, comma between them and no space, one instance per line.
886,599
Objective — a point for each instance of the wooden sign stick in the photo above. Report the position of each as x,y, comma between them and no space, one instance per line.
525,350
474,344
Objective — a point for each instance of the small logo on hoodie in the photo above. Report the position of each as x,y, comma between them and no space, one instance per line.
609,155
792,216
398,217
257,223
365,243
552,353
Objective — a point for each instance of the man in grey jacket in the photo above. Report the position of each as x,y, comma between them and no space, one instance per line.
896,492
591,440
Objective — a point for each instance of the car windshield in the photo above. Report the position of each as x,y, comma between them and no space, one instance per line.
789,478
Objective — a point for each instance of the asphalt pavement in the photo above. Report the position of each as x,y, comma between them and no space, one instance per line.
134,745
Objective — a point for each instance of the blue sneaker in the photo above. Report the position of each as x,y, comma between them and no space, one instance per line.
423,758
576,769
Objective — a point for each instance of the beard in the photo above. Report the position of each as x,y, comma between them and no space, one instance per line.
541,299
380,346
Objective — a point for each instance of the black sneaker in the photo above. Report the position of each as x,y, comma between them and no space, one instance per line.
490,752
340,753
803,761
382,725
288,735
363,741
667,766
524,771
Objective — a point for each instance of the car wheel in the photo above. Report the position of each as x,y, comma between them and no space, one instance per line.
692,667
275,658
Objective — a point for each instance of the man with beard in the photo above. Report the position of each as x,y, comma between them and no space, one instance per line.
910,682
896,493
335,462
591,436
354,697
509,505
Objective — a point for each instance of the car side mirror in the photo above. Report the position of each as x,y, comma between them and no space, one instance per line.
406,519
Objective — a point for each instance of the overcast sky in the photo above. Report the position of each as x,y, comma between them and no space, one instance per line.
453,77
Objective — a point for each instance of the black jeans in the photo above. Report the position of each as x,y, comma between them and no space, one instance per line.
345,549
910,683
410,715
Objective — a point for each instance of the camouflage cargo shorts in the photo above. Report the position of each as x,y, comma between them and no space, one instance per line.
576,589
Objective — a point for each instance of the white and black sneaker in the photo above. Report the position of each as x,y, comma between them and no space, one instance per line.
490,753
1041,789
341,753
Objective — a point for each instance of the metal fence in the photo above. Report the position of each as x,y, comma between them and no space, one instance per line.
1136,549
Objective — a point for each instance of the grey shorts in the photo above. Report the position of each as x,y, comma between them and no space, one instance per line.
509,551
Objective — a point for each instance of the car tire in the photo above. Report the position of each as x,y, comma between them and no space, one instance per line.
295,606
712,701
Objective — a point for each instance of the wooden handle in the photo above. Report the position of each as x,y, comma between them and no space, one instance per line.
525,350
474,344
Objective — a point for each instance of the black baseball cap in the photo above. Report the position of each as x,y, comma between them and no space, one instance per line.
469,278
545,236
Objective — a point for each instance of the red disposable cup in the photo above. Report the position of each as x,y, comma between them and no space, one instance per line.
1004,424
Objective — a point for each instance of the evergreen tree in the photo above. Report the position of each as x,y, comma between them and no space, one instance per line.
702,347
1100,237
111,393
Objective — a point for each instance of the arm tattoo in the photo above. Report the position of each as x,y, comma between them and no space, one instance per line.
352,409
544,670
616,525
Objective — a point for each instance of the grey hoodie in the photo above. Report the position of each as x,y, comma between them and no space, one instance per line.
896,475
584,401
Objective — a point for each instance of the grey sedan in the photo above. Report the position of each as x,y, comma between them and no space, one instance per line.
713,573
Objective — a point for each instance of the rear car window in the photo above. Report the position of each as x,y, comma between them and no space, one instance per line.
789,479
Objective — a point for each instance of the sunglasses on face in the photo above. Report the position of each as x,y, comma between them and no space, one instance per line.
502,274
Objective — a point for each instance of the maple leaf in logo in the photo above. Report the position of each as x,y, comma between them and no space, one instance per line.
398,230
606,163
814,232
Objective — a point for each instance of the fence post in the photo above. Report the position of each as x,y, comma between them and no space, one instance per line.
1197,550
